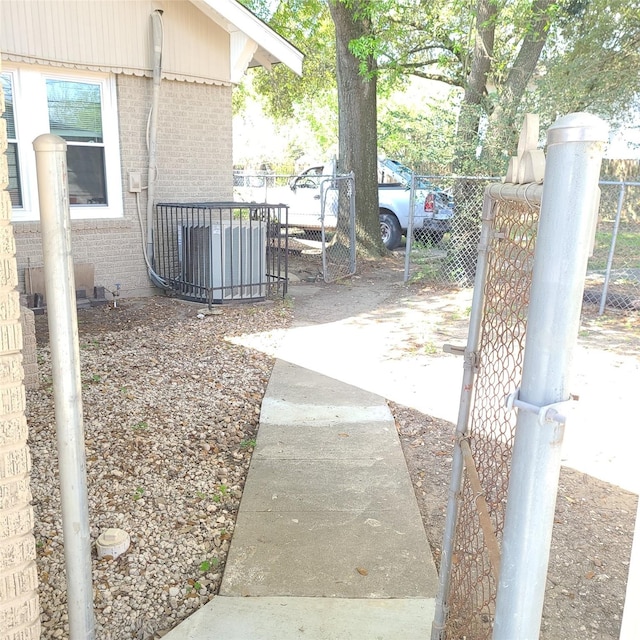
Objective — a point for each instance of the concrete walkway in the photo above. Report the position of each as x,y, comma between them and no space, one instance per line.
329,543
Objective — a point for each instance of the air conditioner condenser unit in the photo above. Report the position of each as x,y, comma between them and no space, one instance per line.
223,261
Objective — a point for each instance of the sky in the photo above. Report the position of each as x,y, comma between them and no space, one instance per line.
256,138
624,144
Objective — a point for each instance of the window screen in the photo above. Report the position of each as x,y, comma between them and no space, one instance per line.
75,114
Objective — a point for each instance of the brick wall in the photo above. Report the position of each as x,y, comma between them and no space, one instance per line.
194,163
19,605
29,348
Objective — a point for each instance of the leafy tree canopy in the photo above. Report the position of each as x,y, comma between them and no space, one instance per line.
506,56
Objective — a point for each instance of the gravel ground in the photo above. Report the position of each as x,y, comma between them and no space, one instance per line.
171,411
170,416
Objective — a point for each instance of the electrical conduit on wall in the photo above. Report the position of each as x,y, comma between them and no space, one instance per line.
152,133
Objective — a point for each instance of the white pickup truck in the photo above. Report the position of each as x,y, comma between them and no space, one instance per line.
306,194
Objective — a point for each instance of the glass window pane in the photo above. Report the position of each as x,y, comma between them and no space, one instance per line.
8,105
75,110
15,191
86,175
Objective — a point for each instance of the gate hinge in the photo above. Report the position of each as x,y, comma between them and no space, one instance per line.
546,413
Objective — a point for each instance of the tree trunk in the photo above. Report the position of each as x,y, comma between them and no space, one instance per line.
357,122
502,133
462,251
476,86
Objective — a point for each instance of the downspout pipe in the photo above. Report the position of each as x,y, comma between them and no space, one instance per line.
157,37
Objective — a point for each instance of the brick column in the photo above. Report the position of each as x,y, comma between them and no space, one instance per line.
19,606
29,348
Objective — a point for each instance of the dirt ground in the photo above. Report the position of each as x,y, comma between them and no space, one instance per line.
594,521
592,535
593,528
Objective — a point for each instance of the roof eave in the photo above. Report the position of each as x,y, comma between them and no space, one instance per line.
263,45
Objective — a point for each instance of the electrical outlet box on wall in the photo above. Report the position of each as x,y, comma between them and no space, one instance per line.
135,182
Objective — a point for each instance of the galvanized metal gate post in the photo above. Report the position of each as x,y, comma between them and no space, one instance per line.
53,193
566,230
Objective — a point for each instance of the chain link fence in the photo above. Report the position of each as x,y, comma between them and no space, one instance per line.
449,259
613,272
485,442
321,213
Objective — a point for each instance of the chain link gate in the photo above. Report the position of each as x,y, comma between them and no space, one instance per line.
338,207
321,210
485,431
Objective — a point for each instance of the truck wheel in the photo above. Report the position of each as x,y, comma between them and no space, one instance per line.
390,230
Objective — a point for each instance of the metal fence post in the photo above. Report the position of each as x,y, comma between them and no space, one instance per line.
575,145
51,165
409,243
351,181
612,249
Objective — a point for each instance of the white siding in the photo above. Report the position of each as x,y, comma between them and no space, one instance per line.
114,35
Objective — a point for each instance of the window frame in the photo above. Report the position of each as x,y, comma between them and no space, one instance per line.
31,117
13,140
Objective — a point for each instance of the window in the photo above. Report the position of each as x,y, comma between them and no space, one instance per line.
75,114
15,191
81,109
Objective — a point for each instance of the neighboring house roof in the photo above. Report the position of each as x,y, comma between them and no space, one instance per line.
115,36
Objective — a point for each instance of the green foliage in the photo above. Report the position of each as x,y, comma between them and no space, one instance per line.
222,491
592,63
307,25
418,130
310,131
430,348
572,55
207,565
